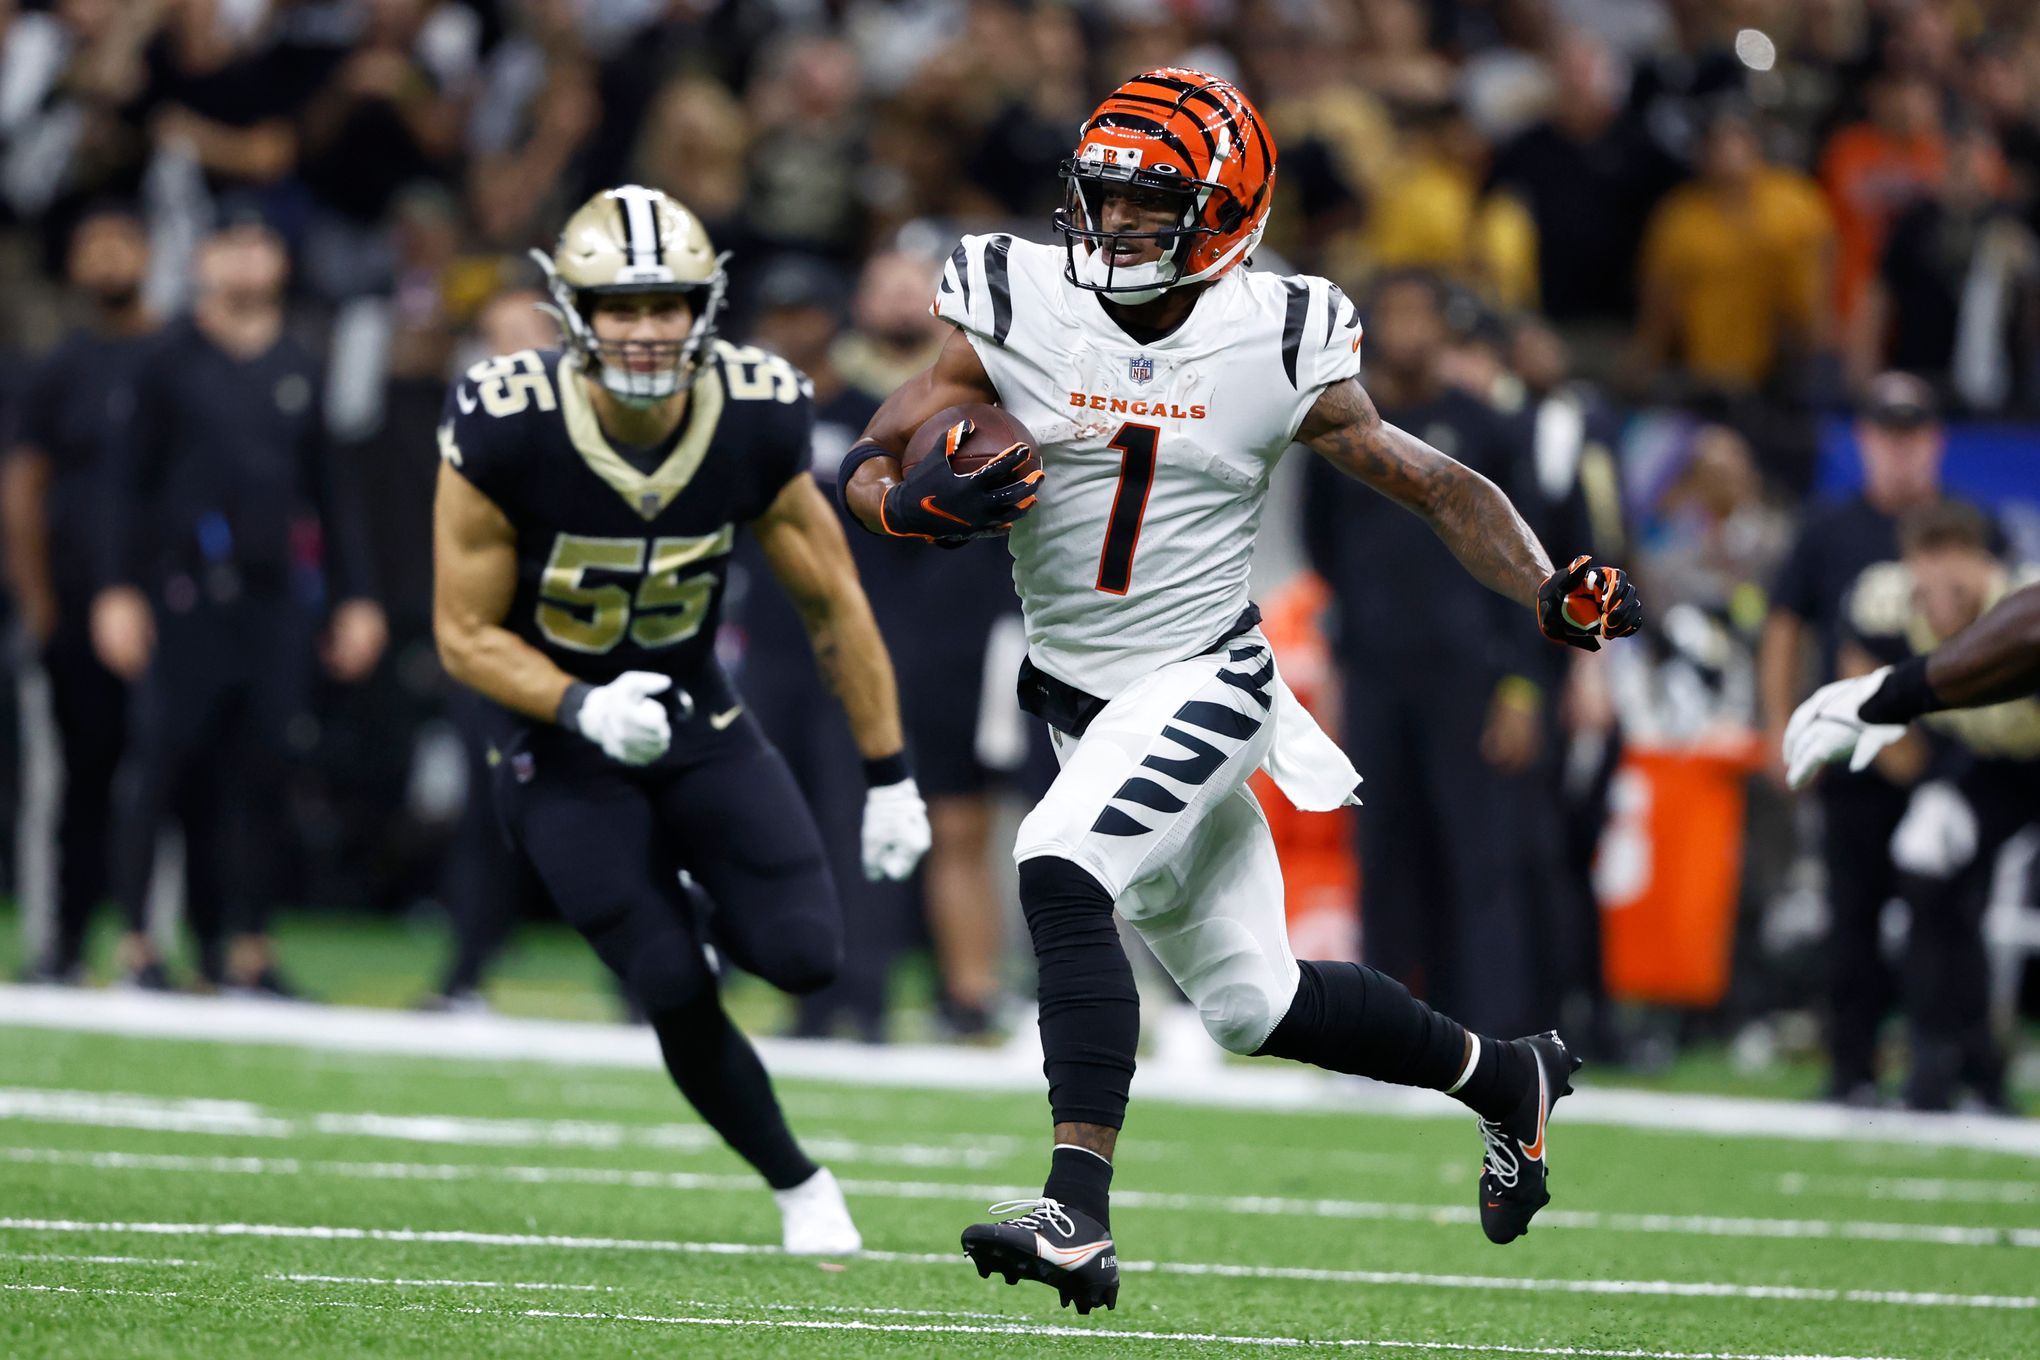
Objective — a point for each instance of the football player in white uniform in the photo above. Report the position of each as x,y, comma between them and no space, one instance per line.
1163,382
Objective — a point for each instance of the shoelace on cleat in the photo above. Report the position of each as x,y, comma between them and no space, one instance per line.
1034,1213
1500,1159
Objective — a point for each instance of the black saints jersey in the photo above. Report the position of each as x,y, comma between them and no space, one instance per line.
622,553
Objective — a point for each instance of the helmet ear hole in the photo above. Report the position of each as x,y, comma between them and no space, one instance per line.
1231,214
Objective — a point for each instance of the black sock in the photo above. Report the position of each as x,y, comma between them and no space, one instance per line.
1350,1018
1080,1179
1090,1012
1502,1072
718,1071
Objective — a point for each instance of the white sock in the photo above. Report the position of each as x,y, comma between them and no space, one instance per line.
1472,1061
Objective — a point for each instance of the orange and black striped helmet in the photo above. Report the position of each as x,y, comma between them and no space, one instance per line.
1178,133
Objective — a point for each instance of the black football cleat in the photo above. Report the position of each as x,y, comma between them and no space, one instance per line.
1514,1171
1061,1247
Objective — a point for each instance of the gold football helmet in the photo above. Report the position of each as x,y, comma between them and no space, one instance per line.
634,240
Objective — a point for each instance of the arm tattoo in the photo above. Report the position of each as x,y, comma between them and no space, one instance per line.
1463,508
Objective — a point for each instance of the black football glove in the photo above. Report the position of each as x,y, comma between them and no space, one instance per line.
1603,596
940,505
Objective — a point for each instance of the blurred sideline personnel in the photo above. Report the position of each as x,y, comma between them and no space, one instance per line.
229,540
1979,785
1839,548
798,303
937,613
944,612
484,886
1163,383
588,501
1441,718
71,413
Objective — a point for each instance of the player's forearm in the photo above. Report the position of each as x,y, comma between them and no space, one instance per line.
24,482
1778,669
499,665
1994,659
857,668
867,488
1490,539
1466,510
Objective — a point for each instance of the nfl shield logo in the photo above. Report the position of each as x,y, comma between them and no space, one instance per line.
1141,369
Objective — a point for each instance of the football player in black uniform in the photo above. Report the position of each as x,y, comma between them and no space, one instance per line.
588,500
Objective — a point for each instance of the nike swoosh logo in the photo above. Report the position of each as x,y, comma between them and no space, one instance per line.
1535,1151
467,403
928,504
1069,1258
723,719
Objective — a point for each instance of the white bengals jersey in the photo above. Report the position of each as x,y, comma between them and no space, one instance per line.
1158,454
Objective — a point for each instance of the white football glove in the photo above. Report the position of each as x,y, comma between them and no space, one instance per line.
1937,836
1826,729
625,720
895,830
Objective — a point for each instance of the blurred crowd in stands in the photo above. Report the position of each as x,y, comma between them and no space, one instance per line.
1641,261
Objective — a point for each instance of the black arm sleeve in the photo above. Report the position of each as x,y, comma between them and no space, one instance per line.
332,486
132,475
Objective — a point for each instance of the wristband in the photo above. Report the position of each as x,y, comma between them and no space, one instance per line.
862,452
886,770
569,714
1904,695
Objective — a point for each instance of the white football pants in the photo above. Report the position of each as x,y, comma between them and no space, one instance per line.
1153,801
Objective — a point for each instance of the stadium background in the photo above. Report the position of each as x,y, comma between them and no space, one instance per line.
1551,161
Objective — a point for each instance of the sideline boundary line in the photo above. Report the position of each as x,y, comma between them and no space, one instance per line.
1017,1067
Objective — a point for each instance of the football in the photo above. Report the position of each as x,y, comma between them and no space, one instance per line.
994,431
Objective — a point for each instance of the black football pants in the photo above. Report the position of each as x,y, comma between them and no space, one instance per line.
216,719
89,704
610,843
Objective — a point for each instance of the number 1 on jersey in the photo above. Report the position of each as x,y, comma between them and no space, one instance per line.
1136,445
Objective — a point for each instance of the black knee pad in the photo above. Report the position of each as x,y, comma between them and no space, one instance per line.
806,963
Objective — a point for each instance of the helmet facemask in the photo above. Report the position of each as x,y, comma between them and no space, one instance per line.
677,362
1093,177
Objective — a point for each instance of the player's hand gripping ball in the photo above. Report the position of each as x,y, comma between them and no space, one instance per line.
1584,603
968,472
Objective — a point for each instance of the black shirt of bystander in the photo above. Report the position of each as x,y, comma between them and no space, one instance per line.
76,407
225,479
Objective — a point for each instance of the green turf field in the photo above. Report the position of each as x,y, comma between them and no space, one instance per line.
213,1199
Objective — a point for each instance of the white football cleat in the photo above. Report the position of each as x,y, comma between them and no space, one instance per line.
814,1220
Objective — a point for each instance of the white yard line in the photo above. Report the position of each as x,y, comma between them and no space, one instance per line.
96,1260
1912,1189
1682,1225
1034,1329
1260,1087
1698,1289
99,1109
292,1278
